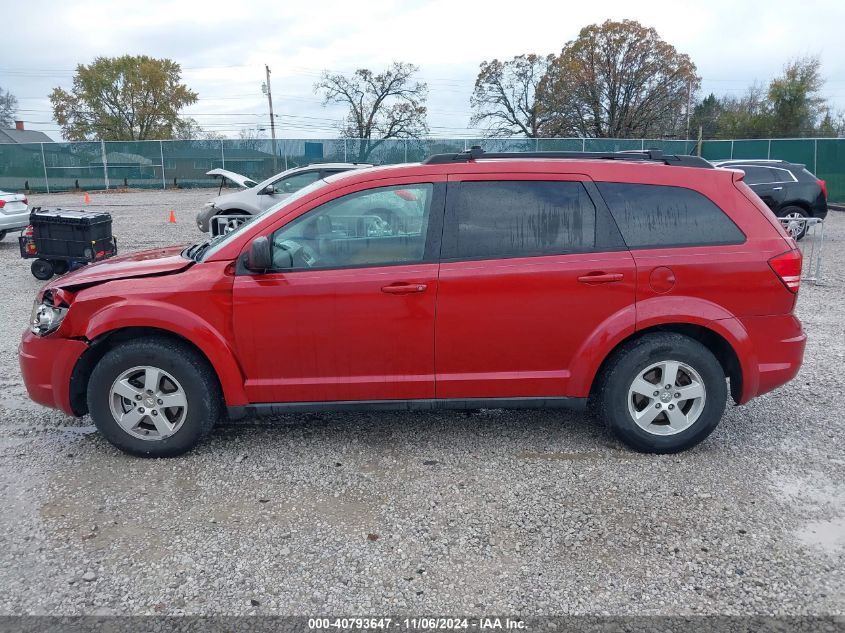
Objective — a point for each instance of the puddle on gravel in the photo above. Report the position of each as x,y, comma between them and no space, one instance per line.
817,495
827,535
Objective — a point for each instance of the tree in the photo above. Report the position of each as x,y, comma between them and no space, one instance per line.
8,108
746,116
124,98
832,125
620,80
381,106
705,115
795,105
188,129
507,99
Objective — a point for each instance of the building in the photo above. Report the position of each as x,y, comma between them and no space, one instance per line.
19,134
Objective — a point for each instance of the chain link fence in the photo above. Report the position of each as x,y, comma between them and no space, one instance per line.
99,165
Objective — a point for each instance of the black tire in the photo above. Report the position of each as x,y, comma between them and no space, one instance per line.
794,211
186,365
42,269
628,362
2,235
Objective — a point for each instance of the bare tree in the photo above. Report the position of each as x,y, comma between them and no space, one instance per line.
620,79
507,99
8,108
388,105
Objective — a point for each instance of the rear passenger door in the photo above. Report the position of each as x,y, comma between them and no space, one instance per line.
685,246
765,182
531,268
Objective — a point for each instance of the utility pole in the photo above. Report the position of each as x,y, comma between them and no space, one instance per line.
689,95
269,94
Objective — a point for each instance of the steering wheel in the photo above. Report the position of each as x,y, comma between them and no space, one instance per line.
301,255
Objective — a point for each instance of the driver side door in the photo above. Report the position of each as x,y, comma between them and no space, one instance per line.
347,313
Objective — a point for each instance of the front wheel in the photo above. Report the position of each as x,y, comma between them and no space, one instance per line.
662,393
2,235
154,397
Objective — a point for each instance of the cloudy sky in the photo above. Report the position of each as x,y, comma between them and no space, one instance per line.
223,46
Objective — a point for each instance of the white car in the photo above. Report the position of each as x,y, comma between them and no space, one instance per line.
255,198
14,212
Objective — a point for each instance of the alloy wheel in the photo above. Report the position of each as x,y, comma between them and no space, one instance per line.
666,397
148,403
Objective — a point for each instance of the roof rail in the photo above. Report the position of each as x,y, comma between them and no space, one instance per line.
649,155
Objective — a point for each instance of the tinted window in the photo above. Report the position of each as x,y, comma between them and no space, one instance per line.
781,175
656,216
756,175
374,227
495,219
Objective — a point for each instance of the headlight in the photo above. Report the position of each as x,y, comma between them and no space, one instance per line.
45,318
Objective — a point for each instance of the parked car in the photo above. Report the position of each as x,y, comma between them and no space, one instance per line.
468,281
14,212
255,198
788,189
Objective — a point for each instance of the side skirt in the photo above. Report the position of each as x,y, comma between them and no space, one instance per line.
276,408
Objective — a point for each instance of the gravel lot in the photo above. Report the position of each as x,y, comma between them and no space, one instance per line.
424,513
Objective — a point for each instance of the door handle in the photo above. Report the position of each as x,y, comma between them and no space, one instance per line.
600,278
776,188
403,288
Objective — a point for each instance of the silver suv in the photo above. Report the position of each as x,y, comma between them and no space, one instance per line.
257,198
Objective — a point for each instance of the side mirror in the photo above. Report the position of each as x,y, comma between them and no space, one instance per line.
260,257
269,190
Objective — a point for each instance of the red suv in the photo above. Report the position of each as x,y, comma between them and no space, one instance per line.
638,283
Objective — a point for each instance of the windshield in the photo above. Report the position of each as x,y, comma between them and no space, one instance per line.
204,250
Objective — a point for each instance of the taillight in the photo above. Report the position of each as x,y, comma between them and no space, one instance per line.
823,185
28,231
2,203
25,201
787,267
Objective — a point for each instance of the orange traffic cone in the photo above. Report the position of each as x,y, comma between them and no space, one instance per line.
87,198
172,219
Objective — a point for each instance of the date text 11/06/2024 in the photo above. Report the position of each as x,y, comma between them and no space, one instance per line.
422,623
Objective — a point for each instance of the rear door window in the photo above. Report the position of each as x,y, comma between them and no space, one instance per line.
501,219
660,216
756,175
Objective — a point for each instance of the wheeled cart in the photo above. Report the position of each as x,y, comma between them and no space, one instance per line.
61,240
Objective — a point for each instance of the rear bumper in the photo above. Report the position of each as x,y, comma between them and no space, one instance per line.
46,366
13,222
778,344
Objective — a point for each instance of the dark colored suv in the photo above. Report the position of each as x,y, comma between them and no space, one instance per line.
788,189
640,283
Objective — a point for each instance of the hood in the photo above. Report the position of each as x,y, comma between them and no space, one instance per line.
158,261
238,179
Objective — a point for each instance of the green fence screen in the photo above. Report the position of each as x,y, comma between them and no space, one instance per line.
163,164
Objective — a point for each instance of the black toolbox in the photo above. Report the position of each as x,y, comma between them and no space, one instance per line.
71,233
64,239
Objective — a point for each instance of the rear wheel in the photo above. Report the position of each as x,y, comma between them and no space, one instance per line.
154,397
662,393
42,269
2,235
797,226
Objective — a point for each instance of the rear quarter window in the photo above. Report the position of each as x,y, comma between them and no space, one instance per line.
661,216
